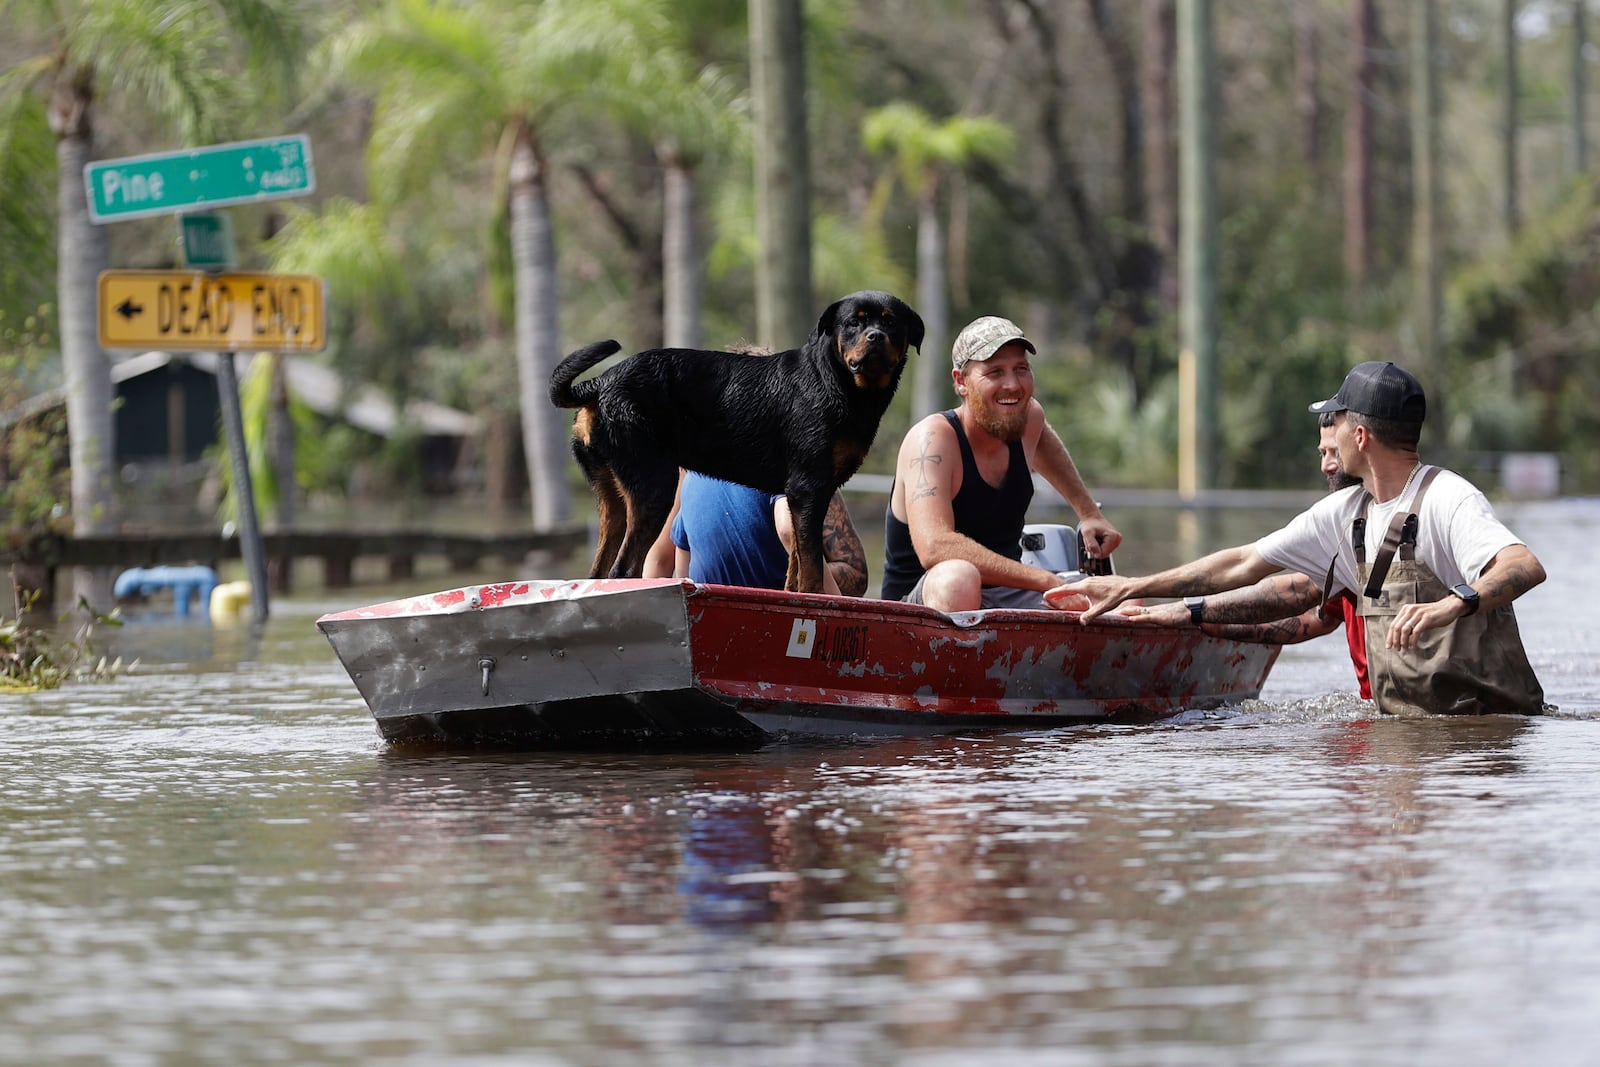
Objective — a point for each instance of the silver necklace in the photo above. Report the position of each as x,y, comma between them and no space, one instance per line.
1415,467
1395,500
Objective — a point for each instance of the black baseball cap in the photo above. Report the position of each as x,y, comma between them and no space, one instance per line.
1379,391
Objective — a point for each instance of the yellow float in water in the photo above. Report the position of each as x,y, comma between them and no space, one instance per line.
228,601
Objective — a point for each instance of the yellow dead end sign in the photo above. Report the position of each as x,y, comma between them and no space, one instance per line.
239,311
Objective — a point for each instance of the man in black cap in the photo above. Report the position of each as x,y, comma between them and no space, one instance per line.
1433,570
1279,596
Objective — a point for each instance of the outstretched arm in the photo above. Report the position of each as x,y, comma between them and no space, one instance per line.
1281,609
1234,615
1227,569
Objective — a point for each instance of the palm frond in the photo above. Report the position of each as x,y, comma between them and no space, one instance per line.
27,226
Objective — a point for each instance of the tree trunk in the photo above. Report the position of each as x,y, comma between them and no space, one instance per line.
1426,272
499,484
784,309
646,326
82,254
1577,129
1511,209
1066,174
1161,161
1358,146
280,444
533,256
682,274
1137,257
1130,108
930,374
1307,95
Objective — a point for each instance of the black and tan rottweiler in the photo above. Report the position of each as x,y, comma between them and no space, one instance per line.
797,422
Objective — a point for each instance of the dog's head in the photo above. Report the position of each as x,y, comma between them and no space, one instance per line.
871,333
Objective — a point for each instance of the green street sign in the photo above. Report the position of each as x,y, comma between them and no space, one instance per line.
208,240
169,182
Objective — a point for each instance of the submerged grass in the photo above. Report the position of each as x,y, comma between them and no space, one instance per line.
33,658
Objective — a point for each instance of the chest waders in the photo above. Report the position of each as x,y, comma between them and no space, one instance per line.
1474,666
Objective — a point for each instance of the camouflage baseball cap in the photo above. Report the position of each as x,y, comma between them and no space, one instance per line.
984,337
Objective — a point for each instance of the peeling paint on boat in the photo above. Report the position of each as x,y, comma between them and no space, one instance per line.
552,663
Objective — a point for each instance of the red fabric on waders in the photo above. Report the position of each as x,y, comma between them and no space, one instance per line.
1474,666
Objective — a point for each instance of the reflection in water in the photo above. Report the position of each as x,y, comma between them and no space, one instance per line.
1077,886
728,864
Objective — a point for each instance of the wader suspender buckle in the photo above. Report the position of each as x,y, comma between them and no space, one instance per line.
1402,525
1358,540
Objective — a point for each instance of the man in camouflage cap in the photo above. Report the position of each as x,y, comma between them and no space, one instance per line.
964,478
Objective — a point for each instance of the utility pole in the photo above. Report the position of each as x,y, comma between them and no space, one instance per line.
784,308
1199,413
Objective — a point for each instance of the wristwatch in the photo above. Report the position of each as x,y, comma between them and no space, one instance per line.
1197,608
1467,593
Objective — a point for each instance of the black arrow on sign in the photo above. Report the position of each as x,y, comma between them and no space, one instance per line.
129,310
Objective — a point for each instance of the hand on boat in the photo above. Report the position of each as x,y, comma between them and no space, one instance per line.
1066,597
1071,595
1174,614
1104,592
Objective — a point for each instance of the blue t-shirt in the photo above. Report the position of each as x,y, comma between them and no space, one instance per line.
728,532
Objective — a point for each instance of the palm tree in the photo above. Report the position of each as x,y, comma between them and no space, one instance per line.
494,82
174,61
926,152
690,112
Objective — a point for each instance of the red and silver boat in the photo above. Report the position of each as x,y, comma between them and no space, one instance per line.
665,662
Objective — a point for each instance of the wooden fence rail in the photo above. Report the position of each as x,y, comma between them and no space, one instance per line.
34,563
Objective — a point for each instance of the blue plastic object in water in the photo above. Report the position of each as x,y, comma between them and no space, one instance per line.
185,582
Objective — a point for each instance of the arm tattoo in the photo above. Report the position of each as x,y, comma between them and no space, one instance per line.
1510,582
1509,575
1265,601
1283,632
924,486
841,547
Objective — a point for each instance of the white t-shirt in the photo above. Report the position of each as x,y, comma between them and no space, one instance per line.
1458,533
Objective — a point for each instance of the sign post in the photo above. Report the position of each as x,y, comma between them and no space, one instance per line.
165,183
223,313
250,545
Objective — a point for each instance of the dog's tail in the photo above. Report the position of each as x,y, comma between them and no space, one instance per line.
562,393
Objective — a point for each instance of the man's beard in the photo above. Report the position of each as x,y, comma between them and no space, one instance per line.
1007,424
1341,479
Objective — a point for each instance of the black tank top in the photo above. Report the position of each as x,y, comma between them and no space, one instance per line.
992,517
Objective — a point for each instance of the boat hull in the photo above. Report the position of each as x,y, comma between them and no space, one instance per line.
663,662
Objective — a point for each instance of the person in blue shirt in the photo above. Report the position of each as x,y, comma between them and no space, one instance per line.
727,534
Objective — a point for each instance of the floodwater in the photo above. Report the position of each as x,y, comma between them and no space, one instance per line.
216,861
